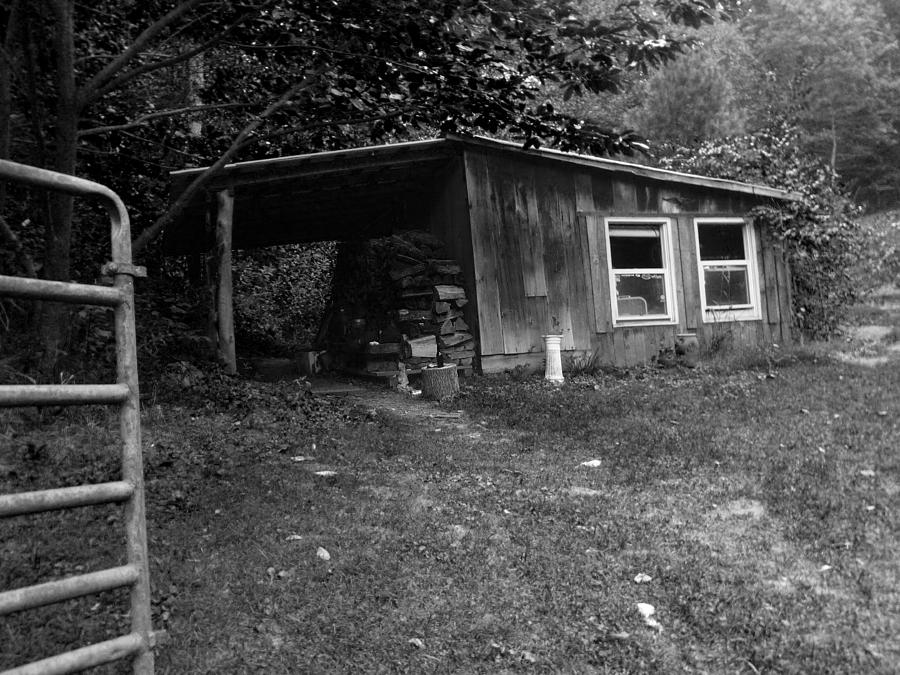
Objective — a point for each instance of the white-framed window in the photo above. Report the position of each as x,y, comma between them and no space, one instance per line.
726,261
641,270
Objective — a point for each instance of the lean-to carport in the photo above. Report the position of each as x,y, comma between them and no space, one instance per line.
329,196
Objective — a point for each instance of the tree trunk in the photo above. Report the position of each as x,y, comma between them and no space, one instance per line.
58,239
440,383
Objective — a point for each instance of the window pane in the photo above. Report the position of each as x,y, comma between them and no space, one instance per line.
640,294
726,286
635,247
721,241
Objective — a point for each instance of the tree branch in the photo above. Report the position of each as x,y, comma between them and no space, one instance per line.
91,90
328,123
149,234
143,119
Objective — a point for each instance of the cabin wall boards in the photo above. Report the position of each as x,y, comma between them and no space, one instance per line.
617,263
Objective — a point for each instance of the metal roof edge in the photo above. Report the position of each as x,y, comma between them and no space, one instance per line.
639,170
323,156
629,167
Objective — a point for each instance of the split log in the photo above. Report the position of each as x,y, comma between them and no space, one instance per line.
455,339
399,272
443,267
449,292
383,348
425,346
461,325
439,383
414,314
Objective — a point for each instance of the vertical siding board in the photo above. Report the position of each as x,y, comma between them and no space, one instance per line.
624,195
618,340
769,280
602,190
538,320
576,257
449,221
690,276
594,230
484,253
513,312
678,273
532,248
782,274
558,290
669,201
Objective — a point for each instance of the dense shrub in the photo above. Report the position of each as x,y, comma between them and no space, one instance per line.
819,232
281,293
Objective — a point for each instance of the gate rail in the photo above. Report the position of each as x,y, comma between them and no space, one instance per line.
130,489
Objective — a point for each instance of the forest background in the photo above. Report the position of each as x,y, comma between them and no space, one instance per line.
799,94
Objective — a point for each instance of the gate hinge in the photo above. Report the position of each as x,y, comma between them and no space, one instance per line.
112,268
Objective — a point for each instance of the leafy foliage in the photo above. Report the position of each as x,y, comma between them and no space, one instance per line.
281,293
832,66
694,97
821,239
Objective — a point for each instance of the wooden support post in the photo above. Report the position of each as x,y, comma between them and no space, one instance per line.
224,296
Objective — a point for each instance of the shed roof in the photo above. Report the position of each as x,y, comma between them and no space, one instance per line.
365,192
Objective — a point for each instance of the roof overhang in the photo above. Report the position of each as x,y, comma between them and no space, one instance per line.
363,192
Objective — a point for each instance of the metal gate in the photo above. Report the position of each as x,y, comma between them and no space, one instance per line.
128,491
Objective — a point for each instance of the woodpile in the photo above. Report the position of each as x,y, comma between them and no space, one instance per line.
416,318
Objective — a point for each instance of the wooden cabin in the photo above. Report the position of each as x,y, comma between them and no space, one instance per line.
618,258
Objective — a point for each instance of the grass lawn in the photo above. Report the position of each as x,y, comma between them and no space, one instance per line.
759,500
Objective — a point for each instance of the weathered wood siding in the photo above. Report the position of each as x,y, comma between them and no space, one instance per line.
448,220
539,261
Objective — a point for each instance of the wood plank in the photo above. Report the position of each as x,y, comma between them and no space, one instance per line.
602,190
647,197
538,320
558,289
532,238
690,274
604,349
619,359
584,192
624,195
669,201
484,255
498,363
577,263
784,296
638,346
769,280
679,273
594,231
513,316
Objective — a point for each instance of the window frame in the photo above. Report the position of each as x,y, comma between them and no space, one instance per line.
718,313
668,271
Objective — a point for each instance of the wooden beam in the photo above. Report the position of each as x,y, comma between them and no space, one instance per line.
224,295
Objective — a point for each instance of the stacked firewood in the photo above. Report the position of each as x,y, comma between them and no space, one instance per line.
400,307
431,315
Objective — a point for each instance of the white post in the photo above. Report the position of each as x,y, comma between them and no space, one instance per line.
553,370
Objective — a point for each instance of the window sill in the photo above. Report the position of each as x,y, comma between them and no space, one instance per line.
731,315
640,323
